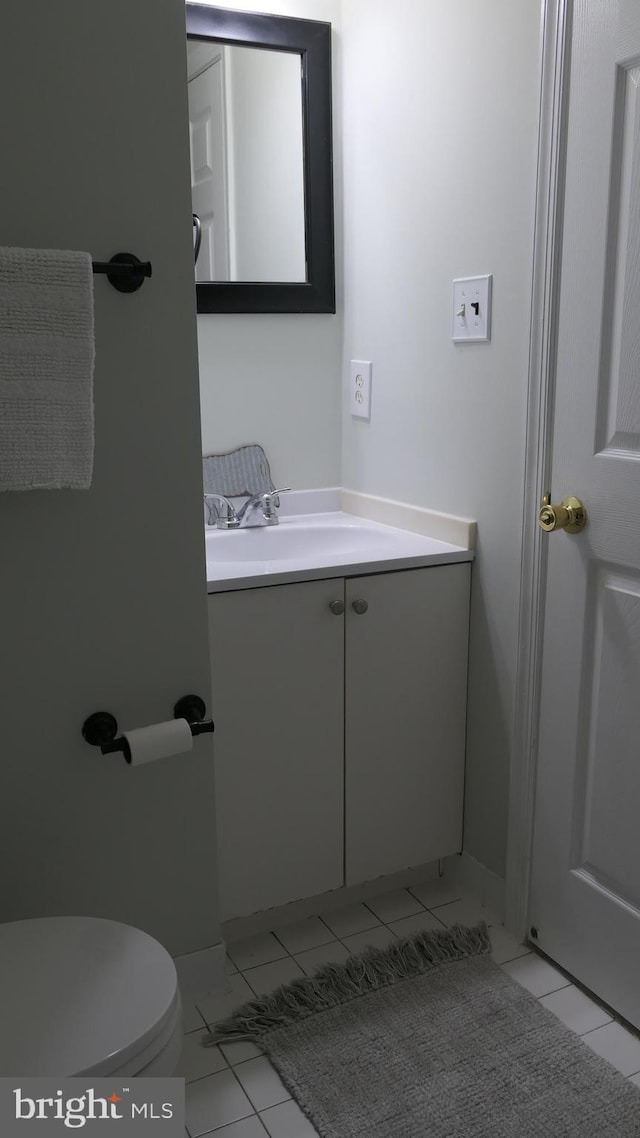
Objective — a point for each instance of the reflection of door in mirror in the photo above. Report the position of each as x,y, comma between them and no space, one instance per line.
208,158
245,111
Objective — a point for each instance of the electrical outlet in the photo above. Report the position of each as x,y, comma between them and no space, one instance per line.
360,388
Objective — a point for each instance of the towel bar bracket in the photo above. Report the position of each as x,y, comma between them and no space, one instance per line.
124,271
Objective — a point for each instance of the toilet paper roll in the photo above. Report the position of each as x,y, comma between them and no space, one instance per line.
146,744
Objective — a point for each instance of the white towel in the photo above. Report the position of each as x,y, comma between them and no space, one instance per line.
46,369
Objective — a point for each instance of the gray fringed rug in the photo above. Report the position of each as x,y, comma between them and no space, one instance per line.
428,1038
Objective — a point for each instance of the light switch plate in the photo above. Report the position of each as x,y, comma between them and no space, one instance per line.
360,388
472,309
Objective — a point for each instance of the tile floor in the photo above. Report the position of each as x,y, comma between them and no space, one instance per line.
233,1091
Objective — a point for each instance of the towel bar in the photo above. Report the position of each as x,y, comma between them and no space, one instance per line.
124,271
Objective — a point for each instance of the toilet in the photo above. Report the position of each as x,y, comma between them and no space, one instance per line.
86,996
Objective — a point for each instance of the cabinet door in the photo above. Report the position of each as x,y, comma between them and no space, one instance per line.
406,675
277,657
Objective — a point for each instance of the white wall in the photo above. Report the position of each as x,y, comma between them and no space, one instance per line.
440,122
277,379
438,107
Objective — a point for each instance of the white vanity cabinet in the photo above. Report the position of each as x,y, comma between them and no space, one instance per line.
340,730
277,656
405,718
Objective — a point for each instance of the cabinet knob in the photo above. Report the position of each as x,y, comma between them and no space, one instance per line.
337,607
360,606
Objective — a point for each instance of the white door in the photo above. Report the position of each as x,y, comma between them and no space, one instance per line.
102,592
209,169
585,895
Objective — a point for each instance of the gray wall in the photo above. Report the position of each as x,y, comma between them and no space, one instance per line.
102,593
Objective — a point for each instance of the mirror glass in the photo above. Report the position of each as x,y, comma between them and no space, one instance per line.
247,162
261,161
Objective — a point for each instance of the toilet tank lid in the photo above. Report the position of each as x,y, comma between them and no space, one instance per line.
78,993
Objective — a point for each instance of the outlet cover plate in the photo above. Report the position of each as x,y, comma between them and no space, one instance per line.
360,388
471,309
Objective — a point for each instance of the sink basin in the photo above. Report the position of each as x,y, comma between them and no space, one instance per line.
308,546
291,540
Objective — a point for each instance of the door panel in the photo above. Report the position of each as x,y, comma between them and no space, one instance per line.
278,681
619,426
102,592
607,836
585,895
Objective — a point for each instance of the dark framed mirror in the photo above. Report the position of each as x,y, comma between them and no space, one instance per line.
261,161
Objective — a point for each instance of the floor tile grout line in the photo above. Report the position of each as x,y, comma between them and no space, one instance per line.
218,1129
437,918
228,1068
321,918
289,1097
289,955
229,1065
544,994
580,1034
190,1082
511,959
253,1109
204,1021
410,889
241,1061
377,920
288,950
372,914
601,1025
406,890
273,961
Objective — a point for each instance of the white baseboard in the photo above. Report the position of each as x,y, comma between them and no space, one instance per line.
201,971
463,869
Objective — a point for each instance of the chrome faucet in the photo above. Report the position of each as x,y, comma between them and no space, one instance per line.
258,510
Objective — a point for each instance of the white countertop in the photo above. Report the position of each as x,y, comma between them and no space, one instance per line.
314,546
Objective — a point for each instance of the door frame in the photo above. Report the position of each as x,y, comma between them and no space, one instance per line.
555,45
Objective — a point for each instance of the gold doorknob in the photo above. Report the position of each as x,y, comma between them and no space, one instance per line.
570,515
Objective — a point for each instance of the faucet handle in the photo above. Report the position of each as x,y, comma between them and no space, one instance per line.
226,520
274,494
271,502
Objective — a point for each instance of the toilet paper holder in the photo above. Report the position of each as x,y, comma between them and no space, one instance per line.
101,728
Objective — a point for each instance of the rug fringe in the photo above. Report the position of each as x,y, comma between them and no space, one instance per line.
336,984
